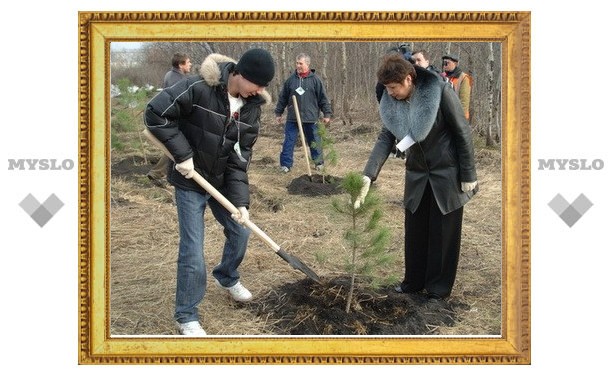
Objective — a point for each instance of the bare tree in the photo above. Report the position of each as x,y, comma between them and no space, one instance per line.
489,124
324,63
346,112
348,70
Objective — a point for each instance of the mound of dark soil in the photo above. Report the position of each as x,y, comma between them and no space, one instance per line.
312,186
132,166
307,308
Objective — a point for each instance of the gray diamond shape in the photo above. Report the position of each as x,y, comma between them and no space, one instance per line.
570,216
29,204
558,204
53,204
41,216
582,204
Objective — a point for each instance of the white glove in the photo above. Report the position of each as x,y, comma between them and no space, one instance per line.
242,216
364,192
468,186
186,168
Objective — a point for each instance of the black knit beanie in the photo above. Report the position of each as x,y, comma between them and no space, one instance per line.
257,66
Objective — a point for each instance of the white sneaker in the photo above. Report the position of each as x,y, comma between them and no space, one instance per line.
191,329
319,167
238,292
284,169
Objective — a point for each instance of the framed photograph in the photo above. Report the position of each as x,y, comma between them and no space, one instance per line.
128,229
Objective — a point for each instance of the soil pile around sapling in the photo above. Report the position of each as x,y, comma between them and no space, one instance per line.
312,186
308,308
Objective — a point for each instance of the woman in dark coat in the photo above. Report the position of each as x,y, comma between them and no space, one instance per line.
425,115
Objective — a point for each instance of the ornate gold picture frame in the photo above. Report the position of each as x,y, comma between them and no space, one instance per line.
98,29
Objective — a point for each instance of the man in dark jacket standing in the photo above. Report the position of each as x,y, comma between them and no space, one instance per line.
209,123
181,66
421,58
423,113
311,99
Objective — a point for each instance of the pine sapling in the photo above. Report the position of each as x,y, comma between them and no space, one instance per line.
325,145
367,241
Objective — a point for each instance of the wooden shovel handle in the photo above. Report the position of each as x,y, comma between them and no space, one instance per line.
301,129
216,194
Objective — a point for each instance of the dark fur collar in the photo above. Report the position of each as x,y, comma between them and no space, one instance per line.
416,116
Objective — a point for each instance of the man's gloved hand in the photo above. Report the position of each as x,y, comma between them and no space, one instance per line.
242,216
468,186
186,168
364,192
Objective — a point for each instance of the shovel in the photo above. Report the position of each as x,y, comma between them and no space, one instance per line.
292,260
299,122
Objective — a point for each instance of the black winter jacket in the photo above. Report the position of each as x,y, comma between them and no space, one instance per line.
192,119
443,154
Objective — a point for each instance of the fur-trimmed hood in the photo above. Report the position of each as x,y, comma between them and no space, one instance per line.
416,116
215,72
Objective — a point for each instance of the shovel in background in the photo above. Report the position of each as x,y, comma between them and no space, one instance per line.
292,260
299,122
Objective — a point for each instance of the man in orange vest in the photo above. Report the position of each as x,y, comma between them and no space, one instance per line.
461,81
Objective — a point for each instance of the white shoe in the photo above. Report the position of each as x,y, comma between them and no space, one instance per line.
284,169
191,329
319,167
238,292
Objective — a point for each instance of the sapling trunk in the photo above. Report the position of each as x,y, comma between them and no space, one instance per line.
366,239
349,297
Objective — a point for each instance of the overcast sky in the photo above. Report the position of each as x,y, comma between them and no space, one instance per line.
125,45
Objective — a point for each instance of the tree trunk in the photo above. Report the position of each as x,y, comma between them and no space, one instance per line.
324,64
490,92
345,101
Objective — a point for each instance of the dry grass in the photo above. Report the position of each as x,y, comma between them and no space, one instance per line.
144,240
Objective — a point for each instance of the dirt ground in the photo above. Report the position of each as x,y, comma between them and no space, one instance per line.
296,213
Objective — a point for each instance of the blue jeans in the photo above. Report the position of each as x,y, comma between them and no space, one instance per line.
291,135
191,267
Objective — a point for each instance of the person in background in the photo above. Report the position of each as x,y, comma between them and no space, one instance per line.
209,123
461,82
181,66
421,58
425,115
312,100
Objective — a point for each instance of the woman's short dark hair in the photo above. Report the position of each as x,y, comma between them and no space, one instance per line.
394,69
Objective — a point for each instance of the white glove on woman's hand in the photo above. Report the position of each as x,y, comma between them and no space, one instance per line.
186,168
363,193
242,216
468,186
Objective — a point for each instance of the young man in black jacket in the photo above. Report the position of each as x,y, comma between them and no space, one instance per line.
209,123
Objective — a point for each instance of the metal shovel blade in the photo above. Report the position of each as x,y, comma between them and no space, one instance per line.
299,265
